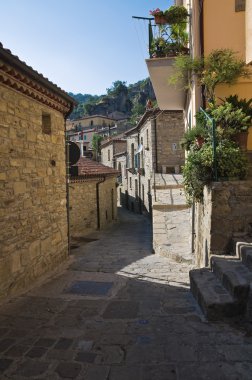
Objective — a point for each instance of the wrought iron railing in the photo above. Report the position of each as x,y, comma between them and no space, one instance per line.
166,40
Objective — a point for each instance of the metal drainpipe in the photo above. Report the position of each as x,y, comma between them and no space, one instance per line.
156,157
98,201
67,178
193,227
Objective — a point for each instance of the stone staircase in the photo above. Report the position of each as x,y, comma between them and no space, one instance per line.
171,218
225,289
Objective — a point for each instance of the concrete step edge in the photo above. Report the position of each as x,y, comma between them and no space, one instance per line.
212,297
234,276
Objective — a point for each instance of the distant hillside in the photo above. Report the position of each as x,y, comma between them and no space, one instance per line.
121,101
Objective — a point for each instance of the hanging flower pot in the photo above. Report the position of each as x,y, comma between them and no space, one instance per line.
160,20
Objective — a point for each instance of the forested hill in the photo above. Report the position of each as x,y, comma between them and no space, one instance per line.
121,101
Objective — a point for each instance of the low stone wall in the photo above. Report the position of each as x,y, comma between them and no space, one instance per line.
225,213
83,205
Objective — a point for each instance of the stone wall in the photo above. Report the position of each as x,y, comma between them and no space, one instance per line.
225,213
83,205
83,212
170,129
107,155
33,224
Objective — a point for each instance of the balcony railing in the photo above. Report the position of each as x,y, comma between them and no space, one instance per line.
168,40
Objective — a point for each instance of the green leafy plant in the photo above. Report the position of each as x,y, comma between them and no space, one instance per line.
198,169
96,144
176,14
191,136
220,66
244,104
229,119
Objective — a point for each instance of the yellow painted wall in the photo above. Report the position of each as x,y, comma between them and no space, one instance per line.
223,27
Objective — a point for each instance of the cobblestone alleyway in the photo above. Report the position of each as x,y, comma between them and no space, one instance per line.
118,312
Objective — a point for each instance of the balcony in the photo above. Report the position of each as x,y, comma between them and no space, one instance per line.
166,41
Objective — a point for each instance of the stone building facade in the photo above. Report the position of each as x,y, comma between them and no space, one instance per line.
153,184
110,148
93,200
33,224
153,146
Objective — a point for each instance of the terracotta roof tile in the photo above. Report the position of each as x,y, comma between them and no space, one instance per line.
7,54
87,167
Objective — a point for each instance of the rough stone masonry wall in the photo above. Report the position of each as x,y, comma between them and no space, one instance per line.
225,213
83,214
170,129
108,209
33,223
83,205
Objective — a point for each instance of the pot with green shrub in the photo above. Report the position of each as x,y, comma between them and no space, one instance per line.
198,169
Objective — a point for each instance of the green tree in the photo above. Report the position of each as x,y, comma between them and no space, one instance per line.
96,144
117,87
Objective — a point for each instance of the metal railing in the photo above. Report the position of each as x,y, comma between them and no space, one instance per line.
213,136
163,41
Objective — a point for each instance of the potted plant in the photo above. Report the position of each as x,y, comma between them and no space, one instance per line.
158,16
232,120
198,169
220,66
194,137
176,14
241,136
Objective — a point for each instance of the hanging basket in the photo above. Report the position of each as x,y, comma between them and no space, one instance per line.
160,20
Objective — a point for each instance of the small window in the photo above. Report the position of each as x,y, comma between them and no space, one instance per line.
132,155
91,122
85,137
147,138
109,155
46,123
130,183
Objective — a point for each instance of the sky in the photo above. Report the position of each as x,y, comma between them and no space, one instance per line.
83,46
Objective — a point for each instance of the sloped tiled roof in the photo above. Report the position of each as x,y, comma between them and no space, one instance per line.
25,75
87,167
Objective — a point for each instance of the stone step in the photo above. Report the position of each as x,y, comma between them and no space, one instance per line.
215,301
234,276
167,179
246,255
238,242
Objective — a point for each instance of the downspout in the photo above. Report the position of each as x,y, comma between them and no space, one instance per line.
202,47
139,177
156,157
98,201
67,177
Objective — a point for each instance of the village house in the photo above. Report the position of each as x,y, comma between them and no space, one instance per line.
111,147
153,147
150,181
221,210
93,201
82,130
34,220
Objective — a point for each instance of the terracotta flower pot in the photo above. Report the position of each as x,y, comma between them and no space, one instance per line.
200,141
161,20
241,139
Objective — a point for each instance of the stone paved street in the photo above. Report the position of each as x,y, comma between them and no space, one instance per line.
118,313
